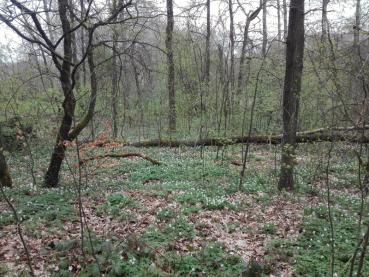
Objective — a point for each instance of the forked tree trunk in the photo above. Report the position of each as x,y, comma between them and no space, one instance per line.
66,132
241,71
291,93
172,118
67,74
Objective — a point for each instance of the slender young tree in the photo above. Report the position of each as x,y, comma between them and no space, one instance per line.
207,44
357,24
114,78
324,19
265,27
245,41
172,118
291,92
279,34
232,42
285,17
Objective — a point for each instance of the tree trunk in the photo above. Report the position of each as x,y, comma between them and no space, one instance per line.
77,75
114,79
232,42
57,157
279,34
285,22
48,20
245,41
5,178
83,46
357,24
138,90
92,101
172,118
324,20
265,27
292,88
114,87
337,134
207,45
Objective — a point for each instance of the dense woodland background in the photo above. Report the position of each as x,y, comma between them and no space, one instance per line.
184,138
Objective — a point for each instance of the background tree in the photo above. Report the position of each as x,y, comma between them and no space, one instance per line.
170,63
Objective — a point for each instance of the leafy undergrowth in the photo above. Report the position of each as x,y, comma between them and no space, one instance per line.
187,217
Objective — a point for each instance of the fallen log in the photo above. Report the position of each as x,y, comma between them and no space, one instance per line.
335,134
117,156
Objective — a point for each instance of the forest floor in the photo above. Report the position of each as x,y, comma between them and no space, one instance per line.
186,217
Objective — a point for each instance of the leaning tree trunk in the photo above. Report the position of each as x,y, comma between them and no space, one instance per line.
292,88
5,178
170,61
57,157
66,133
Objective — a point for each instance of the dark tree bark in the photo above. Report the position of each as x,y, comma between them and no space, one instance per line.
172,117
5,178
66,132
83,46
114,88
57,157
77,75
114,80
291,92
